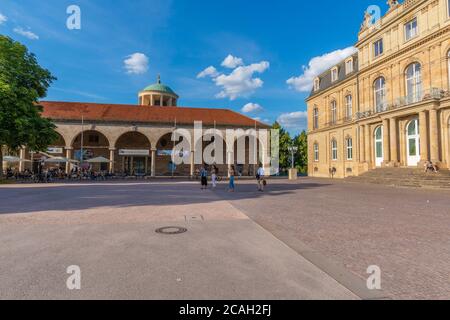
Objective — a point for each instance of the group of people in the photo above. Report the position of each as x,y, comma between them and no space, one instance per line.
214,172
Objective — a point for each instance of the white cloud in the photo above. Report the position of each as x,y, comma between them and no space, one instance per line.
252,107
316,66
232,62
3,18
208,72
294,120
136,63
259,119
26,33
240,82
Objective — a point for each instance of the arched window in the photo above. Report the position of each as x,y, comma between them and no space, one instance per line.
414,83
380,94
334,150
349,142
333,112
316,152
316,118
349,107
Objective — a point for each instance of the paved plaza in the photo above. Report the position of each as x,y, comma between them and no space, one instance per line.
298,240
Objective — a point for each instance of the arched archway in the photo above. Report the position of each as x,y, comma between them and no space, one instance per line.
133,154
165,166
88,145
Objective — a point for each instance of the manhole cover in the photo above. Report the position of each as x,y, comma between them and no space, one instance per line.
171,230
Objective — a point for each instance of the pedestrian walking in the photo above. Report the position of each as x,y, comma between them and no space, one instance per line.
260,178
232,173
204,178
214,173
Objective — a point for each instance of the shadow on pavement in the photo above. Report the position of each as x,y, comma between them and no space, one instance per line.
72,197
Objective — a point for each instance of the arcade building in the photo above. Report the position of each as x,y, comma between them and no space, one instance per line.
137,139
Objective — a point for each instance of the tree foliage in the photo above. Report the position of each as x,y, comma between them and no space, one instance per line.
286,141
22,83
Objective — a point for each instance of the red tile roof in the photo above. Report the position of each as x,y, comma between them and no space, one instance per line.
144,114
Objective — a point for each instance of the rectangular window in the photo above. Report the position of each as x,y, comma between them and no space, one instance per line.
349,107
316,119
411,29
334,74
316,152
378,48
333,112
316,85
334,152
349,149
349,66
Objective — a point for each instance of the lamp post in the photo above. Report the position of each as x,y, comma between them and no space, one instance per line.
293,150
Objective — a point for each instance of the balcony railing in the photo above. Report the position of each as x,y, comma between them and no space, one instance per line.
400,102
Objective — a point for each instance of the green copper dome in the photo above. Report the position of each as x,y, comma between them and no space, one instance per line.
159,87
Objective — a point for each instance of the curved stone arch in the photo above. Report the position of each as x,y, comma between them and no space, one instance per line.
380,76
119,132
375,128
92,129
64,136
374,77
129,132
156,136
404,66
61,138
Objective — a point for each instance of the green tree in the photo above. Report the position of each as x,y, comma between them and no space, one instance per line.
301,159
285,143
22,83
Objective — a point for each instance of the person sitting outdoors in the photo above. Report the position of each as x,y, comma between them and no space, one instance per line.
430,166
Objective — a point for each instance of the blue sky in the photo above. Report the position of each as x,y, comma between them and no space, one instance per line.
268,43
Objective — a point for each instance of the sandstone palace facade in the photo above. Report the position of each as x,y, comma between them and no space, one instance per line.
389,103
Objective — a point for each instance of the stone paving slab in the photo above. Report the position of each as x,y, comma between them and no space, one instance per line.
109,231
406,232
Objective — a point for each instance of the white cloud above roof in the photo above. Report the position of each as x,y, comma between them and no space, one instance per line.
136,63
241,82
316,66
293,121
252,108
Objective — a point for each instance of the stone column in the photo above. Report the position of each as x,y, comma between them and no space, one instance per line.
152,101
367,137
68,156
394,142
112,153
230,161
153,164
161,102
423,132
434,138
386,141
171,102
192,164
362,150
22,157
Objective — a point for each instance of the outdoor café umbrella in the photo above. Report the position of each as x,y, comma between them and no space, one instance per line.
13,159
99,160
57,160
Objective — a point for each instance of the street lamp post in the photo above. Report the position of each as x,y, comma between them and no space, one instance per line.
293,150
